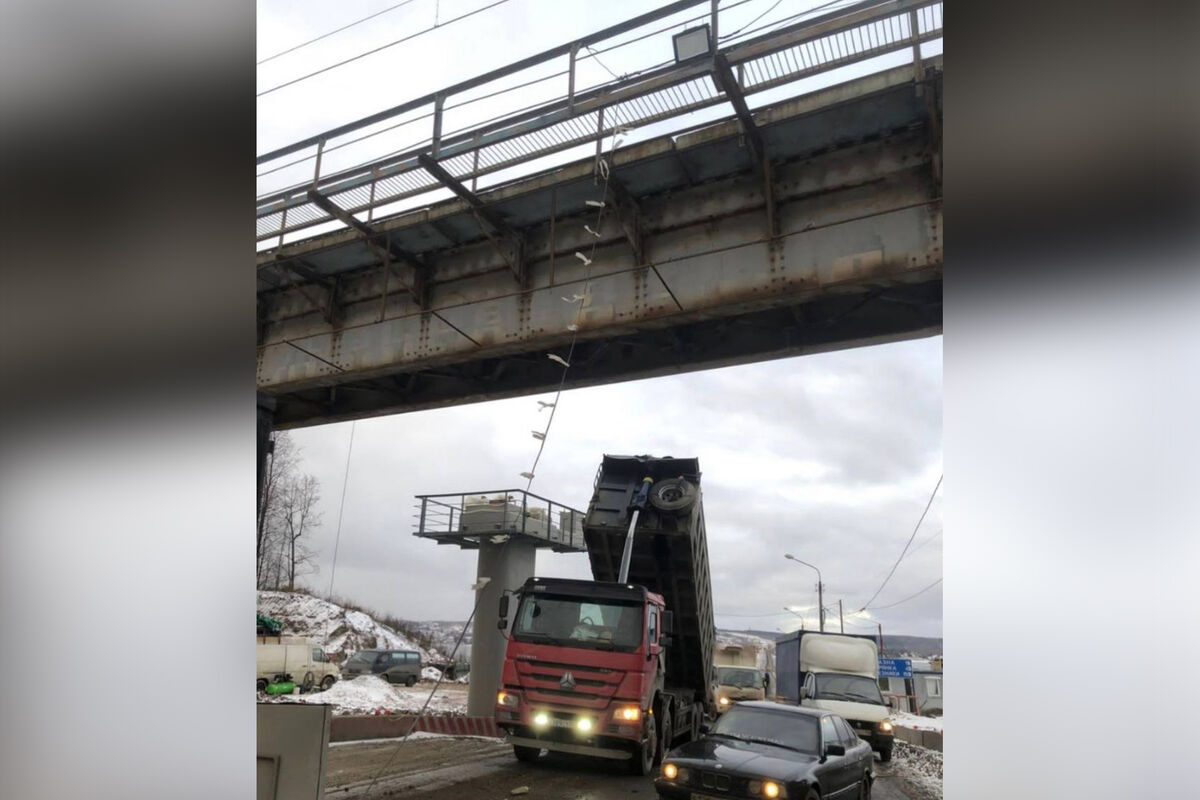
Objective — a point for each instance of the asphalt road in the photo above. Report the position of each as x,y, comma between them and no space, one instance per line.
449,769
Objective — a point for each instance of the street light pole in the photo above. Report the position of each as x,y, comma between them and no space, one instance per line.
820,591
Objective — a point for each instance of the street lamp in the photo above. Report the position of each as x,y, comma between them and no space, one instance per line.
820,591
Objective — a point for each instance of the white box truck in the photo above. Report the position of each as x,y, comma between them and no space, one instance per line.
838,672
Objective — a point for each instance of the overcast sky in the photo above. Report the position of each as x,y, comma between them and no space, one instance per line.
830,457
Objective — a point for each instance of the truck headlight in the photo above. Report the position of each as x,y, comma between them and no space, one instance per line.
583,724
541,720
507,700
723,701
885,726
627,714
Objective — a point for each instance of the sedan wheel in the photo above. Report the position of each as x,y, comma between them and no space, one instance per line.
864,788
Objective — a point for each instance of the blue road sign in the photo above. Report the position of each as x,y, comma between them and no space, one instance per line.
895,667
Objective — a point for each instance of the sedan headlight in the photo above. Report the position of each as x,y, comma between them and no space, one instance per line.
769,789
724,701
885,726
670,771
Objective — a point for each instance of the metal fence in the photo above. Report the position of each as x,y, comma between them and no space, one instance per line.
470,519
847,35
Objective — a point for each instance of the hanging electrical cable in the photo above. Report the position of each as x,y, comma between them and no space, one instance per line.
326,35
906,545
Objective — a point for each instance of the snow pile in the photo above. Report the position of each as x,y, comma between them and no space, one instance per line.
341,631
369,694
431,674
902,719
919,766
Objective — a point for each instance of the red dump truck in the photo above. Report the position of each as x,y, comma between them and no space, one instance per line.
619,667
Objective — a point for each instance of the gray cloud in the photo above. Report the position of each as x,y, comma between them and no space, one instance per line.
830,457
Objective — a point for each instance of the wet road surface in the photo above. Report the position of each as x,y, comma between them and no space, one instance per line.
449,769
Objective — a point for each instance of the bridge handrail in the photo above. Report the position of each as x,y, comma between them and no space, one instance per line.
809,47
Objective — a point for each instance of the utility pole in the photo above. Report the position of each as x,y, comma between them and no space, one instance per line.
821,600
841,619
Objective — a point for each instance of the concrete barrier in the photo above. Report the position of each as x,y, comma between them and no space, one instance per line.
931,740
355,728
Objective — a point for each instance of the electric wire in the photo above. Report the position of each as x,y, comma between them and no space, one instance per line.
905,600
906,546
326,35
337,537
375,50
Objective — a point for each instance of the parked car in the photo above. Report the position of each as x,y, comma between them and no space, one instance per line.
301,660
768,750
394,666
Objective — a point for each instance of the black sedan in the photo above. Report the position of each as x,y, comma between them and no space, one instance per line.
768,750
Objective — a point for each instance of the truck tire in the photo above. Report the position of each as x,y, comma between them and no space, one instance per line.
261,684
309,680
327,683
673,495
641,761
885,754
525,754
697,717
664,741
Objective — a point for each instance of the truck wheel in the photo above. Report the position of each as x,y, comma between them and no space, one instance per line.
668,730
885,755
327,683
261,684
642,760
309,680
525,754
697,713
673,495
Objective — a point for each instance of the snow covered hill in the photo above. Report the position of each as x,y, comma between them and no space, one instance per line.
341,631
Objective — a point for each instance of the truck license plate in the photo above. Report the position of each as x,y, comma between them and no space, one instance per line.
562,723
698,796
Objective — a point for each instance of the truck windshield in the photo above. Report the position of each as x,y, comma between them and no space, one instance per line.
579,622
852,688
366,657
741,678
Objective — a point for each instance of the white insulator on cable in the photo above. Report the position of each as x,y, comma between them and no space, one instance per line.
588,228
538,435
575,298
603,165
596,203
479,584
587,262
572,327
527,475
542,404
557,359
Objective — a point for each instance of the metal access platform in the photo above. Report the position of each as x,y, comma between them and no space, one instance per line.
471,519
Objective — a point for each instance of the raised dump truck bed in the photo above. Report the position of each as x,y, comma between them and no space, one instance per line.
670,556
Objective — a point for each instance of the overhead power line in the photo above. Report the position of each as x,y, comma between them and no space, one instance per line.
906,546
362,55
326,35
910,597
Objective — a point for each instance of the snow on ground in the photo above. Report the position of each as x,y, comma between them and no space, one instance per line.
919,766
343,632
369,694
902,719
430,674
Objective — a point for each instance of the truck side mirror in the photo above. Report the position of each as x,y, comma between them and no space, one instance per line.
503,606
668,622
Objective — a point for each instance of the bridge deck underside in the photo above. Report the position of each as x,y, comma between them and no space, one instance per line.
856,258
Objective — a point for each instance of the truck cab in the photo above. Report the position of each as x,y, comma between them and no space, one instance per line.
736,683
582,669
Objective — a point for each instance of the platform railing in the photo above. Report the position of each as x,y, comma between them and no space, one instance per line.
470,519
839,37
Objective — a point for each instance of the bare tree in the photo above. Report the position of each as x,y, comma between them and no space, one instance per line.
281,468
299,515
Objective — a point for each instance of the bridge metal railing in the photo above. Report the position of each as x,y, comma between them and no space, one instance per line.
469,519
820,44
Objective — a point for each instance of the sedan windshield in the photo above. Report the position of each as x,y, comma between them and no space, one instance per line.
785,729
579,622
741,678
852,688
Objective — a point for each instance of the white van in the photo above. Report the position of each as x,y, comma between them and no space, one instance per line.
302,659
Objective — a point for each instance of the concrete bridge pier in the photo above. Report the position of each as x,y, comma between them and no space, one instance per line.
507,566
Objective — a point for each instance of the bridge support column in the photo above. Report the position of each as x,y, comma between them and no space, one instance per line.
507,566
